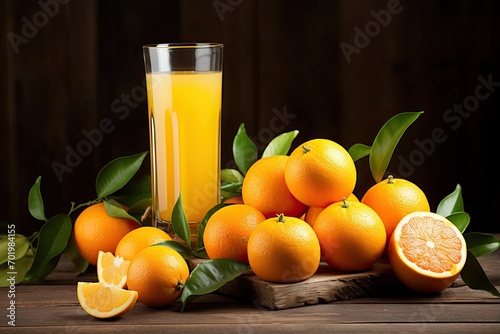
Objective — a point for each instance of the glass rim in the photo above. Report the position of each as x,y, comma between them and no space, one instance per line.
182,45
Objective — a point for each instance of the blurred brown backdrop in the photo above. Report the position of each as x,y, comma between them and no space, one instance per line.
332,69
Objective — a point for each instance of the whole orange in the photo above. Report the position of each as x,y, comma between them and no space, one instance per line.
427,252
265,189
351,235
352,197
158,273
313,211
227,231
95,231
311,214
138,239
234,200
283,249
320,172
393,199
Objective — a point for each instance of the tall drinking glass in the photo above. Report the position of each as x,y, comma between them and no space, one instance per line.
184,86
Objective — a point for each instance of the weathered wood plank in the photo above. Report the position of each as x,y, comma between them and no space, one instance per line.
325,286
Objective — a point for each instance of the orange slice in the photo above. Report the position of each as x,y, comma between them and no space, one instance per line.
111,269
427,252
102,300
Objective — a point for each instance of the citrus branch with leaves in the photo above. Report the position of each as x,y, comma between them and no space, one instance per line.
38,255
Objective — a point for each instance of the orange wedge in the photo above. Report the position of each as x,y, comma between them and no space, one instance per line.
101,300
111,269
427,252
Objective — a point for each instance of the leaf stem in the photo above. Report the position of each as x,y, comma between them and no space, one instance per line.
74,208
32,239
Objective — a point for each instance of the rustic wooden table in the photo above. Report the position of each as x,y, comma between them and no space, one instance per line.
53,307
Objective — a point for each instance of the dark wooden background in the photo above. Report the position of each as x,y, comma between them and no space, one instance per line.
284,70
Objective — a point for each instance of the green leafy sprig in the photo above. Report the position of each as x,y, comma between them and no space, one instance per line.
380,152
38,255
478,244
245,153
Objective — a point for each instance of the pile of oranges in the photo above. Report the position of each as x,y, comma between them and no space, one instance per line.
295,211
298,210
130,266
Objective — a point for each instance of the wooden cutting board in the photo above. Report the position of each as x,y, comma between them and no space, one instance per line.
327,285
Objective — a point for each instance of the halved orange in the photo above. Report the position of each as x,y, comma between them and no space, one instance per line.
427,252
111,269
103,300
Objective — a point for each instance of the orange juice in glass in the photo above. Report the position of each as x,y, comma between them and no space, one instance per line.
184,85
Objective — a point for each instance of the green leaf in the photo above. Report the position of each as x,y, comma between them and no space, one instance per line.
210,275
231,176
16,245
200,253
358,151
245,152
180,224
281,144
451,203
180,248
230,187
117,173
114,209
134,192
386,141
52,240
475,277
225,194
481,243
51,265
203,223
22,267
232,182
460,220
35,201
71,252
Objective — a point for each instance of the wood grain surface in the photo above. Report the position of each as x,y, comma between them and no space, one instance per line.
53,307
